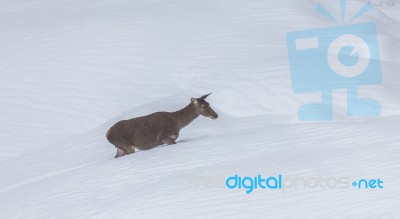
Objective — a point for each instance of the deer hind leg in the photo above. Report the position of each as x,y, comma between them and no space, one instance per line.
125,150
129,150
120,153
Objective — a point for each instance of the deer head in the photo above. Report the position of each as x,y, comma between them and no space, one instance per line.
203,107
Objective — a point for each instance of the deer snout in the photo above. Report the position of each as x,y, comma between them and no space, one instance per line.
214,116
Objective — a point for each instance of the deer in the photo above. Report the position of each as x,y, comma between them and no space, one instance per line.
150,131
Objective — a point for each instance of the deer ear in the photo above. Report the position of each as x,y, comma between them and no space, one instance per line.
193,100
205,96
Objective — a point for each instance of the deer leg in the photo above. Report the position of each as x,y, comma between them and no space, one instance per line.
168,141
120,153
129,150
124,150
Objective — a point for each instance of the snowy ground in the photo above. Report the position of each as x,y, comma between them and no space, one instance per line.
71,69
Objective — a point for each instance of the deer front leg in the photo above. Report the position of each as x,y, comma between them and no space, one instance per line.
170,138
168,141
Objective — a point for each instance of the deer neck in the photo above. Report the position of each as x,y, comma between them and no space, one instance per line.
186,115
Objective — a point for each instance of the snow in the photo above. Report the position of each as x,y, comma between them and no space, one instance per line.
72,69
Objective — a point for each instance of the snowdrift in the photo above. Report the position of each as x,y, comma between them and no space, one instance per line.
72,69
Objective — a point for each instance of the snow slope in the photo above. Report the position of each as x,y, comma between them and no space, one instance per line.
69,69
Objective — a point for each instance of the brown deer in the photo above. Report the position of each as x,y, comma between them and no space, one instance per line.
159,128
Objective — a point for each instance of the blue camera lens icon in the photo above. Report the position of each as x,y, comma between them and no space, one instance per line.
335,58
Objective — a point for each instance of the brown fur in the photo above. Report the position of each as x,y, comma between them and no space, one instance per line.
159,128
